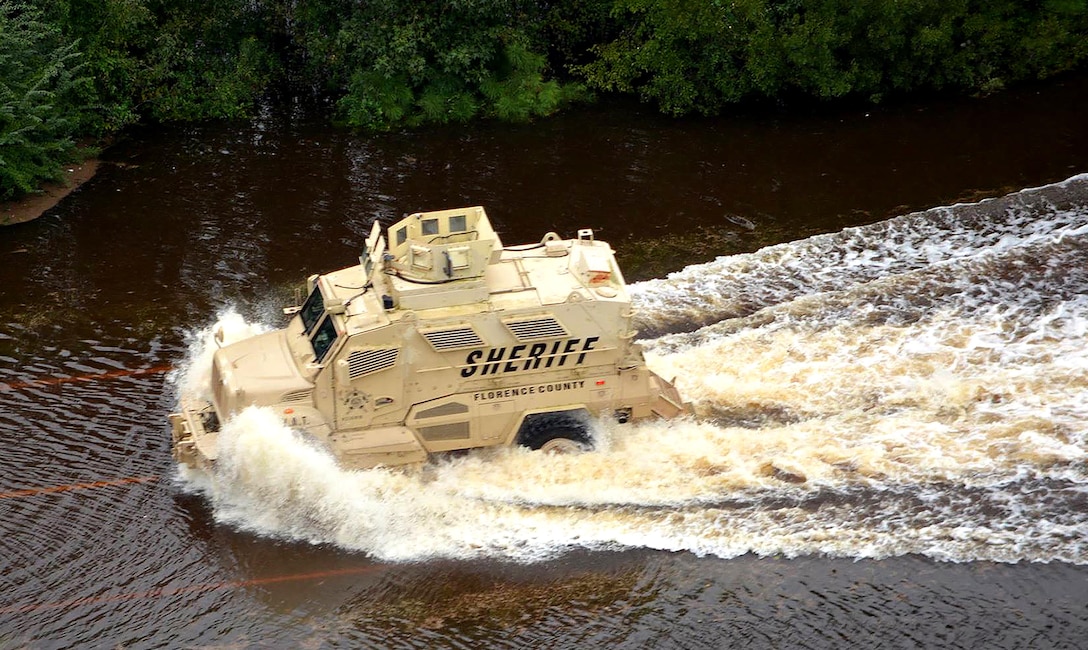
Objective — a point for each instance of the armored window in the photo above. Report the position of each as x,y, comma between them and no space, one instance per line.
421,257
453,338
323,338
365,362
400,235
531,329
430,226
312,310
459,257
458,223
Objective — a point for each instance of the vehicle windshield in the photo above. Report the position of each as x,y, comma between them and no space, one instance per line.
312,310
323,339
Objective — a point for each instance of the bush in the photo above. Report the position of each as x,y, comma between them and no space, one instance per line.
40,78
698,56
408,62
171,60
90,67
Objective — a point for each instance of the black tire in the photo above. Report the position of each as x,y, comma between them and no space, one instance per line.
561,432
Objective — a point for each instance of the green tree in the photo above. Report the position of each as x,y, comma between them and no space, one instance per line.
90,67
701,55
171,59
114,35
407,62
210,58
39,80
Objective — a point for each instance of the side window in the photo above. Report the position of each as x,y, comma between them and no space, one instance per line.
323,338
312,310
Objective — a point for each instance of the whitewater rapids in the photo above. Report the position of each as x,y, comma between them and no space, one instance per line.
919,385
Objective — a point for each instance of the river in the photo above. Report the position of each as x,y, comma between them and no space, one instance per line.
891,396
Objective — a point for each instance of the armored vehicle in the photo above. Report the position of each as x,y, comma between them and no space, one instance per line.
442,339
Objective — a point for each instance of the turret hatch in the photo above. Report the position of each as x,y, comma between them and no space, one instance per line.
438,259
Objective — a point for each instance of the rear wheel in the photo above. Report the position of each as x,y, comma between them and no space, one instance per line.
556,433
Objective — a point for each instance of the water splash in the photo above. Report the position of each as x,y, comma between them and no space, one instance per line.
740,285
926,392
192,378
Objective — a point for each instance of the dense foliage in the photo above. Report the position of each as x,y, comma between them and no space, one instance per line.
89,67
171,59
403,61
692,55
39,80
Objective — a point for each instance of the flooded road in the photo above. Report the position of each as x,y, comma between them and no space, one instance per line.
891,432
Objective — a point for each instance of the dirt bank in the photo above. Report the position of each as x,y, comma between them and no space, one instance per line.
34,205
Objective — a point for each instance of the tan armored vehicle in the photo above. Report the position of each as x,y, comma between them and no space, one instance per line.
443,340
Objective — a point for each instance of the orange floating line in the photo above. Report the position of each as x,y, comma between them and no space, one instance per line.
29,492
201,588
57,381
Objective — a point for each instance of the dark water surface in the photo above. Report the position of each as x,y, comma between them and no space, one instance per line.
892,433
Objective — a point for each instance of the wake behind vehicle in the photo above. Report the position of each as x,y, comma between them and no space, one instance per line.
442,339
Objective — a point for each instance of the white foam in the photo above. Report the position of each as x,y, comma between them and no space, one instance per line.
934,403
738,285
192,377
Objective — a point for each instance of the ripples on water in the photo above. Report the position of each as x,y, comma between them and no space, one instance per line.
915,386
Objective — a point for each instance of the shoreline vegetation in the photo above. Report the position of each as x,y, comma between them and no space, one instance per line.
73,71
33,205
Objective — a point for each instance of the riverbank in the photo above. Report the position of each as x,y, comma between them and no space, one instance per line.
32,206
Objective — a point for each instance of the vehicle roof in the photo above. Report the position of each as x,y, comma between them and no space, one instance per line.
523,278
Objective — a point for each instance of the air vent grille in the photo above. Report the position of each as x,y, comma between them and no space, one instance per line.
545,327
451,431
297,396
364,362
457,338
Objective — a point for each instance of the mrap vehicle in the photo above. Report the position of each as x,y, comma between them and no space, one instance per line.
442,339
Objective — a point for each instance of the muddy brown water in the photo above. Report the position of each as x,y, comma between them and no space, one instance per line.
891,438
